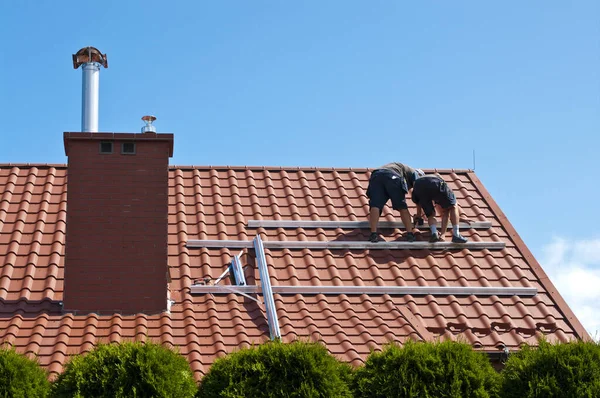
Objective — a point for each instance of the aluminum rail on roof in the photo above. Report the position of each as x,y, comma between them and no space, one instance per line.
325,224
267,292
376,290
238,271
283,244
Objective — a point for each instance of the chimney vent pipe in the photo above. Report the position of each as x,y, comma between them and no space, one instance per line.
91,59
149,128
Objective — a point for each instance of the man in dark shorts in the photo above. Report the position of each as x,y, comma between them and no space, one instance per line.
391,181
432,189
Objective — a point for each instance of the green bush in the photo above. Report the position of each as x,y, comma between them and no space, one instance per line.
447,369
561,370
275,369
126,370
20,377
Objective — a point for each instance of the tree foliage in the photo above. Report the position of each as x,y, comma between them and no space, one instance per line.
275,369
432,370
21,377
126,370
553,370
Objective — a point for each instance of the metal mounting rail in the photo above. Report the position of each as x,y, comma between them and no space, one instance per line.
334,245
267,292
238,272
376,290
327,224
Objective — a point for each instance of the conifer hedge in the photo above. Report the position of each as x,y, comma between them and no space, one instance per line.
21,377
423,369
274,370
136,370
553,370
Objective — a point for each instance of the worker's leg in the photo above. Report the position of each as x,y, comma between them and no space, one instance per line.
378,196
397,190
448,202
429,210
445,214
435,236
455,217
432,223
374,218
407,220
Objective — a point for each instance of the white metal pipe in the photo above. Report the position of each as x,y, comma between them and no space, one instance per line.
89,94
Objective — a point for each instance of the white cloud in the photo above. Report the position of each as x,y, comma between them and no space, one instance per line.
574,268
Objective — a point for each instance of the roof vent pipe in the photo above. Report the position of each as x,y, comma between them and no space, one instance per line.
149,128
91,60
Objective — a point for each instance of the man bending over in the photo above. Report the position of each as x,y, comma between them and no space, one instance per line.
391,181
432,189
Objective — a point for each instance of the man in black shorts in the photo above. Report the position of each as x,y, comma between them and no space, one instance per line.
391,181
432,188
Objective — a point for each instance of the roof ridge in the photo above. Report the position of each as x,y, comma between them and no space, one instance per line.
6,165
232,167
300,168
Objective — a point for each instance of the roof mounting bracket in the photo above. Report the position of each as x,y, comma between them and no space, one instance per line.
235,267
237,291
227,270
238,271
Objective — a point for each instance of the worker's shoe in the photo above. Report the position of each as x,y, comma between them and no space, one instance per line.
374,237
459,239
435,238
410,237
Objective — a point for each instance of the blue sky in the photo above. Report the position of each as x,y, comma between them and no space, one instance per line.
336,83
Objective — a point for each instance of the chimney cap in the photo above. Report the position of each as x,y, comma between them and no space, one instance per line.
89,54
149,128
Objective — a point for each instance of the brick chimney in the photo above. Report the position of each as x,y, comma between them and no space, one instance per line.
116,234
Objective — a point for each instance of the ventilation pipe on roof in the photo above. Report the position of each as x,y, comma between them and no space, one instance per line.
91,60
149,128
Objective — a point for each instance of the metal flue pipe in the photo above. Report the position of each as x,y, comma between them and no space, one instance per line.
91,59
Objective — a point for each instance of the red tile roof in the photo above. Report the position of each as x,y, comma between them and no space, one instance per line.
217,203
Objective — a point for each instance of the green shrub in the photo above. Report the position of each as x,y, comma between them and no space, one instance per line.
126,370
446,369
276,369
553,370
20,377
